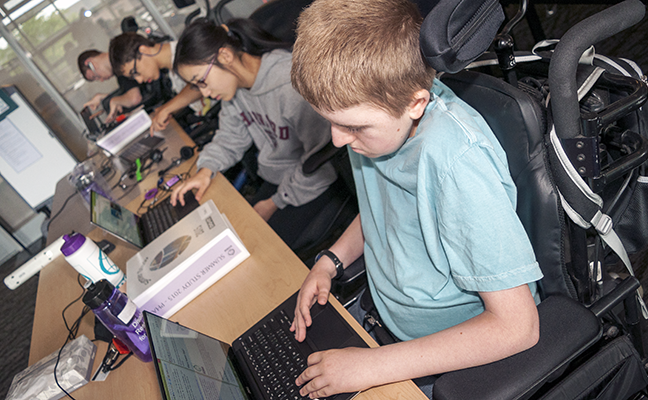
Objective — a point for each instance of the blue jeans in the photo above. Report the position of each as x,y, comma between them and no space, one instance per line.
424,383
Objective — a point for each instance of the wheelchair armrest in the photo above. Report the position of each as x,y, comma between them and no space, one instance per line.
350,285
355,270
567,329
318,158
615,296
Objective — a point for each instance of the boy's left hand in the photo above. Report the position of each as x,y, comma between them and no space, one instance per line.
337,371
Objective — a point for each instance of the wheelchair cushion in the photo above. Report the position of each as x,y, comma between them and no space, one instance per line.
567,329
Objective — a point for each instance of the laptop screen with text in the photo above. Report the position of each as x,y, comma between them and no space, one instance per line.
191,365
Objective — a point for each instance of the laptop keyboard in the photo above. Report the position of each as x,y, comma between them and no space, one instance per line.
135,151
140,149
158,219
276,360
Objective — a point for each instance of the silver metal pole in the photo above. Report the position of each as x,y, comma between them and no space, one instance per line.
42,80
159,19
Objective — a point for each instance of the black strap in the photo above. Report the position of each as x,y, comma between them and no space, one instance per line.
339,267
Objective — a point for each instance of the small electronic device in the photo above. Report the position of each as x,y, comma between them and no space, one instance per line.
106,246
95,127
169,184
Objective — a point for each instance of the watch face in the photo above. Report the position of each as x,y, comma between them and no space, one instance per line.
340,271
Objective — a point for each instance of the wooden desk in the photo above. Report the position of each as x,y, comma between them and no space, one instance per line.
74,213
227,309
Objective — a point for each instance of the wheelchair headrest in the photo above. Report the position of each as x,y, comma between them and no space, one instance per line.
456,32
128,24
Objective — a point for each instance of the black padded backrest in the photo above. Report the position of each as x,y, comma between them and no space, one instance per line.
517,121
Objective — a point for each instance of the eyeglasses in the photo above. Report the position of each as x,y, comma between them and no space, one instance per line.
133,72
201,82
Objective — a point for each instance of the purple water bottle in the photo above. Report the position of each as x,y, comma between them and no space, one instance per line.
120,316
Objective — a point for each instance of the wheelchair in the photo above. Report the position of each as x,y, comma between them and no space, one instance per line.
575,165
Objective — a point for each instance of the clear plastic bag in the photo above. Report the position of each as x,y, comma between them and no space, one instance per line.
36,382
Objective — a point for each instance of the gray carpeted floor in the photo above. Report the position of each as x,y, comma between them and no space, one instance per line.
16,318
16,307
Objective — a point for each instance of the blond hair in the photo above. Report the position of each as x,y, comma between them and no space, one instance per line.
350,52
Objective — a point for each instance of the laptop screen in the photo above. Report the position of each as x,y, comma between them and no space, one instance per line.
115,219
191,365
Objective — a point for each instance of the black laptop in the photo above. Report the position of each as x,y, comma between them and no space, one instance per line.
262,364
139,231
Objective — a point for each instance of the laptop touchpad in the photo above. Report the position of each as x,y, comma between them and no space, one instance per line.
330,331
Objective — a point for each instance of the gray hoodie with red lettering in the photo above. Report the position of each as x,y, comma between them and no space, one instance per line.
283,126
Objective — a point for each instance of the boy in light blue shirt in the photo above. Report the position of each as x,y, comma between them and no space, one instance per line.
449,265
442,210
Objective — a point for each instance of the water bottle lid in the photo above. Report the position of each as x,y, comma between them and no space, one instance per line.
97,293
72,243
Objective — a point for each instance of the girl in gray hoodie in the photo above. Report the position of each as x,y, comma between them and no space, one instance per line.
249,72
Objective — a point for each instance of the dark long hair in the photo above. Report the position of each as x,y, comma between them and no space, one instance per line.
201,40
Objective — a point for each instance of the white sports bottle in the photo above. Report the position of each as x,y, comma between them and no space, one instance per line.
88,259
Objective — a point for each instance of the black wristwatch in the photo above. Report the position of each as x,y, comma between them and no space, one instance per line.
339,267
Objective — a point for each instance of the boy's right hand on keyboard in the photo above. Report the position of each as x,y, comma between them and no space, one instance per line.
200,181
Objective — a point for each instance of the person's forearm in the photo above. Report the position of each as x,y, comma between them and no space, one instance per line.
95,101
129,99
483,339
350,245
186,96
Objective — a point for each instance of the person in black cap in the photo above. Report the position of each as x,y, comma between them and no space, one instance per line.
450,268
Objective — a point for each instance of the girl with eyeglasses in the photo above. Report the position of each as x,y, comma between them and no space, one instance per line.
249,72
